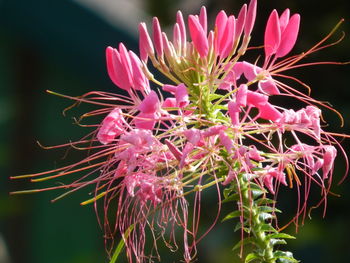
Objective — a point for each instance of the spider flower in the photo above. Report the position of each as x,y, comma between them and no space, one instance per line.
207,126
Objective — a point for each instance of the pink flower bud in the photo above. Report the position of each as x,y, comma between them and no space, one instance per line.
220,26
230,37
157,37
181,23
177,38
198,36
241,21
145,43
203,19
175,151
117,71
250,18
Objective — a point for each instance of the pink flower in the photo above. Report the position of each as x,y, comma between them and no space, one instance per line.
273,173
111,127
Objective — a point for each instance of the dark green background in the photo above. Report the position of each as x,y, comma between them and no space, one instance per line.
59,45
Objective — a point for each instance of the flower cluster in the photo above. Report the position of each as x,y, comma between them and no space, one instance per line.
212,124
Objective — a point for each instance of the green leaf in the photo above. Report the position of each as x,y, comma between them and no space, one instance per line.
238,226
231,215
268,228
265,216
265,201
250,257
284,256
280,235
243,242
275,241
227,192
121,244
231,198
268,209
117,251
257,192
214,96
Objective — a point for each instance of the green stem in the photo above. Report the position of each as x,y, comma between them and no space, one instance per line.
263,246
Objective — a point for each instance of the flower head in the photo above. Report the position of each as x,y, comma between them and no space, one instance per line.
216,126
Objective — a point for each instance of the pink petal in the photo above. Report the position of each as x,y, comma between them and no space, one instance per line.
241,95
330,152
126,64
145,120
256,99
241,21
284,19
268,86
181,96
214,130
250,18
177,38
145,43
116,70
157,37
254,154
169,103
203,19
268,182
272,34
167,47
234,110
111,56
289,36
193,135
226,141
269,112
150,104
174,150
111,127
226,44
169,88
220,26
198,36
139,79
181,23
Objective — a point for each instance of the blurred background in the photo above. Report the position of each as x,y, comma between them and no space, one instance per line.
59,45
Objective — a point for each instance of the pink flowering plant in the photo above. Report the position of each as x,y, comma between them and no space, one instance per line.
212,124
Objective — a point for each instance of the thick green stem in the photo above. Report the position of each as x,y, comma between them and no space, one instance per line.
263,245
